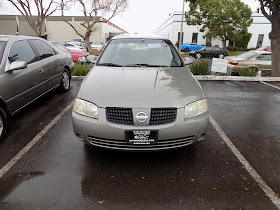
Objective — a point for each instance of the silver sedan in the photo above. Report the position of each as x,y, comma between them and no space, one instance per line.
29,68
140,96
252,59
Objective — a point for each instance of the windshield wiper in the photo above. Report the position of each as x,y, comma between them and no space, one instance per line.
144,64
109,64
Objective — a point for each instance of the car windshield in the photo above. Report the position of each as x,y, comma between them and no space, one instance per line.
60,47
140,52
96,43
247,55
2,47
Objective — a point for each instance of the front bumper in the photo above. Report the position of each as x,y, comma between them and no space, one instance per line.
101,133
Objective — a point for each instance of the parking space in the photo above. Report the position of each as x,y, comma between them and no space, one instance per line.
60,172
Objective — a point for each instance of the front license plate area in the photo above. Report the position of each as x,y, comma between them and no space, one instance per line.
141,137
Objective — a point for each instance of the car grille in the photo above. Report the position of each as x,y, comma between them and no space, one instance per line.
119,115
162,115
122,145
158,116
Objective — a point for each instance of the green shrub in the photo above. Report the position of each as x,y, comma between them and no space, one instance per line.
201,67
81,69
247,72
232,48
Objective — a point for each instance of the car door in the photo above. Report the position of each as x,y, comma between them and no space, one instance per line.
207,52
22,85
263,61
215,51
51,63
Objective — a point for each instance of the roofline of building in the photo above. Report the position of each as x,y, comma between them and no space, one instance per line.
60,18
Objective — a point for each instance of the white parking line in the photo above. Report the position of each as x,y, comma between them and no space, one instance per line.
271,85
267,190
24,150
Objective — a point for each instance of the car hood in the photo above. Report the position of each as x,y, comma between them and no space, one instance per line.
140,88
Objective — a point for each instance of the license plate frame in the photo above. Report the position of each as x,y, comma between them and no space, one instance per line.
141,137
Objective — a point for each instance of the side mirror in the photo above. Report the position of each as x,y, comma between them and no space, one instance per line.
189,60
16,65
92,58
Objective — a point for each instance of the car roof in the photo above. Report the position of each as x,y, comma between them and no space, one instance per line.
138,36
16,37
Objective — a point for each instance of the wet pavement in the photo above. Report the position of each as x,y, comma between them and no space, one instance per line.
59,172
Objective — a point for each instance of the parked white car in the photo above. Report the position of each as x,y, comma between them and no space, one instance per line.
97,46
77,41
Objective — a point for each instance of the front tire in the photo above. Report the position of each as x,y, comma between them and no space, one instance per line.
186,49
221,56
65,81
3,124
198,55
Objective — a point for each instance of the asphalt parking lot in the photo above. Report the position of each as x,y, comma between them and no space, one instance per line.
237,166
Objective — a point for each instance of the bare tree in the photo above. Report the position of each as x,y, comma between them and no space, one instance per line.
91,10
35,20
271,10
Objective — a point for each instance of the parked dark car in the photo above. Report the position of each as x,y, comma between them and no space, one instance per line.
209,52
29,68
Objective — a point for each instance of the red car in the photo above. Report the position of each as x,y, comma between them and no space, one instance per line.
267,48
77,56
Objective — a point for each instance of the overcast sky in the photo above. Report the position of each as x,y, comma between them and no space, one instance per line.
145,16
141,16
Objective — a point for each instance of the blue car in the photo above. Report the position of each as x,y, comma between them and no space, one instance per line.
190,46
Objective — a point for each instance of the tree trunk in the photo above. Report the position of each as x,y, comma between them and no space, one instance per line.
224,44
275,47
87,41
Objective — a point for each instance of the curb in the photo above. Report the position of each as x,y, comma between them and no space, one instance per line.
237,78
220,78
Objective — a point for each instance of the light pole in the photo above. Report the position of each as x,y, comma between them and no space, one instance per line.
181,32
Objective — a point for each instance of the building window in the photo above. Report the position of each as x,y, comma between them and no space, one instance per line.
260,40
194,37
208,41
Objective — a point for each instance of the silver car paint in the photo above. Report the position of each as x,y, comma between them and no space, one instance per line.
21,87
140,88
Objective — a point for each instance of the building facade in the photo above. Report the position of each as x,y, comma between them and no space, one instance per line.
171,27
56,29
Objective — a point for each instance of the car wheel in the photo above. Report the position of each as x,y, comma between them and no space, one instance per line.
3,124
186,49
254,69
221,56
65,81
198,55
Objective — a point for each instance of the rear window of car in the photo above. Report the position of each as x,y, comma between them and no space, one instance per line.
264,57
43,49
2,48
140,52
22,51
60,47
247,55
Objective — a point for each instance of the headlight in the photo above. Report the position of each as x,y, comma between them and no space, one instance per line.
82,59
85,108
192,51
196,108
